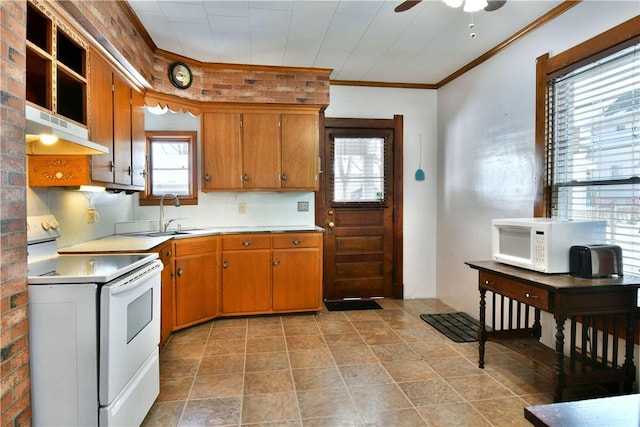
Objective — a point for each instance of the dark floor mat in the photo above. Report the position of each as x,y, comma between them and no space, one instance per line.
352,305
459,327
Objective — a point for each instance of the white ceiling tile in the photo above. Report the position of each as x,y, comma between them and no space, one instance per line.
358,39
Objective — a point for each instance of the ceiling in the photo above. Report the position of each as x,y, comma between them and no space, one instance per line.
360,40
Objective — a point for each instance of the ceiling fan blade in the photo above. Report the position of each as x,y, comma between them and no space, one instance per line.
406,5
494,5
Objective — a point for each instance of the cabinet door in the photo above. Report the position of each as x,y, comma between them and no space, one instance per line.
299,146
101,117
261,150
221,157
167,309
121,131
195,289
167,313
246,281
296,279
138,141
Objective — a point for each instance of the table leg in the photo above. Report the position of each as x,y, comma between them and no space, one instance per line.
629,367
559,376
482,329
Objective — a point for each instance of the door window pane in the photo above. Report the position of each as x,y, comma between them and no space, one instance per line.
358,168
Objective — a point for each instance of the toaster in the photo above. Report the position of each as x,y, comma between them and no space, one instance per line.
594,261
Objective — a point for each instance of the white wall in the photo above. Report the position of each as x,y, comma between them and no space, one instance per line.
486,122
418,108
71,209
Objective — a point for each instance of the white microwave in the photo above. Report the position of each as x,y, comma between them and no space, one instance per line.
541,244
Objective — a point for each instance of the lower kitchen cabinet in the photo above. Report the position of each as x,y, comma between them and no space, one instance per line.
167,309
196,280
245,282
269,273
297,283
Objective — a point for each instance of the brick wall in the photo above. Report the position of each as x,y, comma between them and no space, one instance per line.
14,328
245,84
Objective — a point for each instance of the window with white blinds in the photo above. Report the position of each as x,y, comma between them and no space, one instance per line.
358,169
593,156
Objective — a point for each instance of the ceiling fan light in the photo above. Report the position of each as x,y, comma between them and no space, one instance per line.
453,3
474,5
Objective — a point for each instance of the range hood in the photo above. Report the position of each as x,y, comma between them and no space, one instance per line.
71,138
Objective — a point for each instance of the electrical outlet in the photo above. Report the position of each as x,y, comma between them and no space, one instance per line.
92,215
303,206
242,208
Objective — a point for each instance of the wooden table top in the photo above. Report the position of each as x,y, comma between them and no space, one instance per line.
616,411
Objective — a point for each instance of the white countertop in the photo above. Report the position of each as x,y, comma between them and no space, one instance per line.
136,242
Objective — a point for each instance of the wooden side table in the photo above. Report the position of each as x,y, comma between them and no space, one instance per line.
600,313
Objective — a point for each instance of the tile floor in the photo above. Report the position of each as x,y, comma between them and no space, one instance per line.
352,368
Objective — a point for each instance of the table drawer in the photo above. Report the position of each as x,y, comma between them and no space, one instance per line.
297,240
246,242
527,294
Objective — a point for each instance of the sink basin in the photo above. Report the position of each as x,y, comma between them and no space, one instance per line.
162,233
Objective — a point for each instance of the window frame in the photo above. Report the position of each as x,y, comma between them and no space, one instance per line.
147,198
547,67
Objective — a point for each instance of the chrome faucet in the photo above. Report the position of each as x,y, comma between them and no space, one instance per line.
176,203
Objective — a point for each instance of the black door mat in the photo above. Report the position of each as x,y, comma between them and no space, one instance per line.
458,327
352,305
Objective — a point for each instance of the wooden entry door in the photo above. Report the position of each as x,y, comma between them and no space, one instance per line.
358,209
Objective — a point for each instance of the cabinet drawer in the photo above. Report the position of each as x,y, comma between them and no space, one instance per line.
297,240
246,241
195,245
527,294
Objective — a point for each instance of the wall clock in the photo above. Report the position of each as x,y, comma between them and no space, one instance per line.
180,75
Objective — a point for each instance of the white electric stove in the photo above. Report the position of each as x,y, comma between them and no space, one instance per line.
94,332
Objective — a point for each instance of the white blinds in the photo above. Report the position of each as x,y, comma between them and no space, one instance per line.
358,169
594,151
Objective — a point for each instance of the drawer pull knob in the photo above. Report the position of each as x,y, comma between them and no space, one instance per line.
246,243
489,282
296,242
529,295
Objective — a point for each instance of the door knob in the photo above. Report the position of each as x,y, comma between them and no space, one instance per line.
331,224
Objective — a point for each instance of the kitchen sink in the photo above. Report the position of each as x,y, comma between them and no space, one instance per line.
164,233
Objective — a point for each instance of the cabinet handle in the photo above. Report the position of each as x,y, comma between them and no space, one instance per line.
112,166
296,242
225,264
245,177
143,173
284,176
529,295
276,262
167,254
246,243
179,272
207,177
129,171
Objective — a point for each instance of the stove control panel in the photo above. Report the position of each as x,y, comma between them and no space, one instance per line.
42,228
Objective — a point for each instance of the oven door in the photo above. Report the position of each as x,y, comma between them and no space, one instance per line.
129,329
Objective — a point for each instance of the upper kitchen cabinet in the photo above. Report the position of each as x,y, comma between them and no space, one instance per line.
116,120
56,67
299,148
273,149
221,154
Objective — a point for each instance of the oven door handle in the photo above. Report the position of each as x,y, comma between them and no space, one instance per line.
137,279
